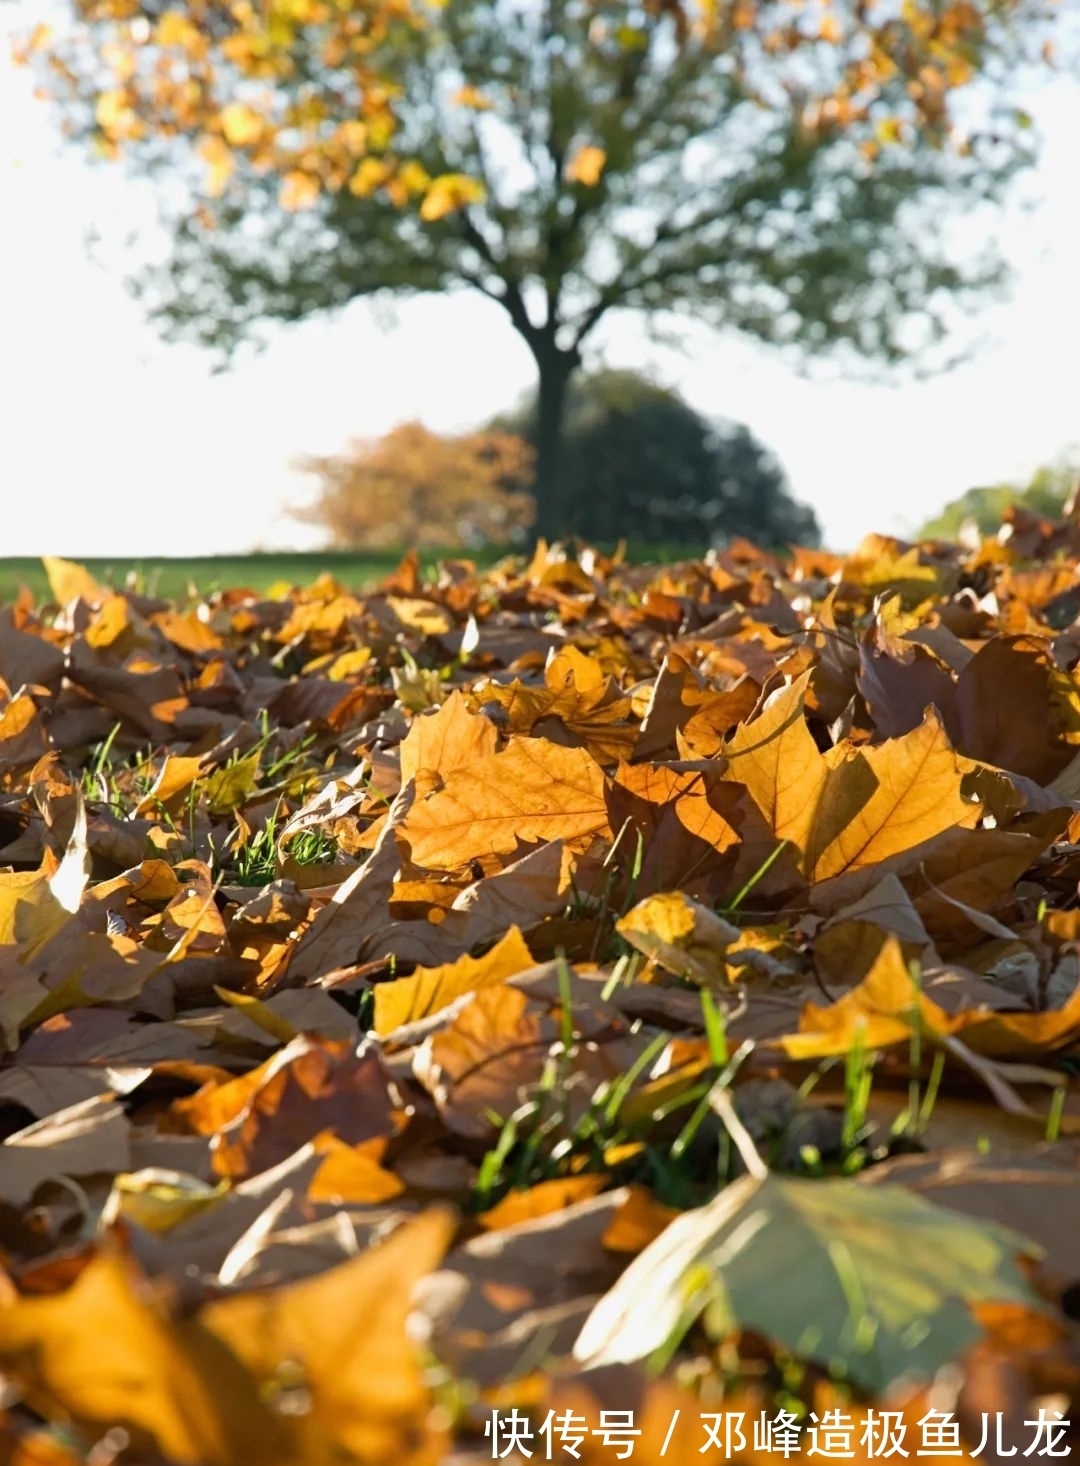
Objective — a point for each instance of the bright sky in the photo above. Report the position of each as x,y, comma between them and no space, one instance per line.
113,444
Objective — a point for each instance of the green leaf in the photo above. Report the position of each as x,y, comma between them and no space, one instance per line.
233,785
873,1282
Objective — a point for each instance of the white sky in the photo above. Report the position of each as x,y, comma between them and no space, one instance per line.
114,444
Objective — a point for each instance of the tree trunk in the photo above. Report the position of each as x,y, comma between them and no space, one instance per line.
555,370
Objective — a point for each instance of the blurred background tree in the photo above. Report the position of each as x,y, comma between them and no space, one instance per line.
1047,494
639,463
782,170
416,487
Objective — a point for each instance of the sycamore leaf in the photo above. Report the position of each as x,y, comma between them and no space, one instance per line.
850,808
69,581
873,1282
446,740
681,935
430,988
887,1005
342,1337
102,1354
532,791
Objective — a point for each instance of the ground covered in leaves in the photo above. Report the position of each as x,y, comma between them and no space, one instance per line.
574,1011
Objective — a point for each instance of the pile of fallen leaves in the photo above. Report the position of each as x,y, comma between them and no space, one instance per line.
554,1013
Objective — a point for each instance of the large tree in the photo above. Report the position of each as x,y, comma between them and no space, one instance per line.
641,464
782,168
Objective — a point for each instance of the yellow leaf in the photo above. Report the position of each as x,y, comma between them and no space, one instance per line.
174,29
371,173
35,904
215,153
430,988
448,193
851,808
111,108
260,1013
175,777
41,37
889,130
298,191
240,124
351,1175
830,30
415,177
540,1200
234,785
878,567
447,740
681,935
69,581
886,1005
158,1200
586,166
343,1336
471,97
102,1354
533,791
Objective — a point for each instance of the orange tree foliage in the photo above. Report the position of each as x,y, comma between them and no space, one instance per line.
413,486
429,998
776,167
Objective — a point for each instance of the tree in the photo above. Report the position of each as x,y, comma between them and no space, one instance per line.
640,463
1046,494
416,487
769,167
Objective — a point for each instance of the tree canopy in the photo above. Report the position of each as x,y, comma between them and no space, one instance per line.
1047,493
416,487
640,463
780,169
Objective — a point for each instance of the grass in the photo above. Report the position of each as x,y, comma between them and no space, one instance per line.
171,579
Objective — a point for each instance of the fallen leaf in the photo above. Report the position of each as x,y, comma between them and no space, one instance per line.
874,1282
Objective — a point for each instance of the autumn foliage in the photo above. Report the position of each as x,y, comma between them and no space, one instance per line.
565,966
415,486
309,91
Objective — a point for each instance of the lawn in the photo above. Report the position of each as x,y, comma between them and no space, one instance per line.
175,579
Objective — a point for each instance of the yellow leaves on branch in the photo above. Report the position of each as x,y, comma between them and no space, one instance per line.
334,95
586,166
298,191
472,98
241,125
448,193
